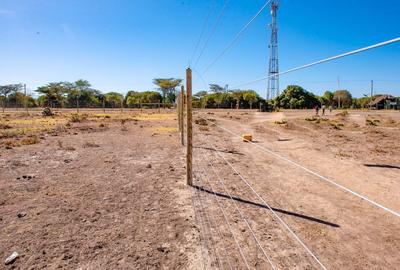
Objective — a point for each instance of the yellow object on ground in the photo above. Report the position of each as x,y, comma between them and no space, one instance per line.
247,137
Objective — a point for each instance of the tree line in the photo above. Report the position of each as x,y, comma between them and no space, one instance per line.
80,94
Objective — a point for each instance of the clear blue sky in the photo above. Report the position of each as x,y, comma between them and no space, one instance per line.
121,45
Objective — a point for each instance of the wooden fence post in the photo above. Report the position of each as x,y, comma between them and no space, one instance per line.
181,114
178,111
189,146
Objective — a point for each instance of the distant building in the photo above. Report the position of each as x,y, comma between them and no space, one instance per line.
386,102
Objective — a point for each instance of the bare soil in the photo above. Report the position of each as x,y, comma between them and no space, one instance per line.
341,230
107,191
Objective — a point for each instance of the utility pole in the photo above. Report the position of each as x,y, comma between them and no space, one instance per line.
189,131
25,99
273,71
372,93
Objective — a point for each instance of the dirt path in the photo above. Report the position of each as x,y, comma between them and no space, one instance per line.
343,231
113,198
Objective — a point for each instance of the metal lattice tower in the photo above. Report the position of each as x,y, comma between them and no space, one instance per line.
273,72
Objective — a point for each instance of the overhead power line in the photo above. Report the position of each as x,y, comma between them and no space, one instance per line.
324,60
217,22
236,38
203,30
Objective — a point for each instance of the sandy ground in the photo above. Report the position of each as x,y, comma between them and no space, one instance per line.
341,230
107,191
104,193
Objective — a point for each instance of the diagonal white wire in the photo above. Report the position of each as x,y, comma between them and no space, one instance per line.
272,210
219,234
202,232
212,245
236,38
217,22
203,30
323,61
309,171
240,213
231,230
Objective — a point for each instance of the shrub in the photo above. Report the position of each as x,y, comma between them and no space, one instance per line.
47,112
30,140
76,117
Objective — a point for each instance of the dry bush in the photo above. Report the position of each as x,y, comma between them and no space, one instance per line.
5,126
336,125
372,122
11,144
203,128
47,112
11,133
30,140
90,145
281,122
76,117
342,114
201,122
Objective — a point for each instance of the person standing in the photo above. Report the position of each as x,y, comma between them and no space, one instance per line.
316,109
323,109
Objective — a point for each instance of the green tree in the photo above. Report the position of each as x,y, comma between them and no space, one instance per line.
54,93
114,99
251,97
5,90
215,88
328,98
237,95
342,98
167,87
294,97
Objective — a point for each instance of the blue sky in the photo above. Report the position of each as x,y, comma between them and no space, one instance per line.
121,45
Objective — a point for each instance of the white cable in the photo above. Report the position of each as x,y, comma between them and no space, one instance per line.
323,61
236,38
219,234
240,213
221,14
272,210
230,229
310,171
212,246
203,30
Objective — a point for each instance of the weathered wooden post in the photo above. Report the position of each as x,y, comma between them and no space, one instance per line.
189,146
178,111
181,109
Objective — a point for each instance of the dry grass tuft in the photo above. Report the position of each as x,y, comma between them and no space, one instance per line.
76,117
90,145
30,140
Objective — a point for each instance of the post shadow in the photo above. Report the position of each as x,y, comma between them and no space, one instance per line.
313,219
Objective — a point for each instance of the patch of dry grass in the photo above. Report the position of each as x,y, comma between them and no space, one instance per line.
163,129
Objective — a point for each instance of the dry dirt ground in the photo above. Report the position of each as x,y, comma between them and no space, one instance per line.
95,191
107,191
358,150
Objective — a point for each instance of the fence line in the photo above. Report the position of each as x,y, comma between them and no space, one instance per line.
264,149
240,213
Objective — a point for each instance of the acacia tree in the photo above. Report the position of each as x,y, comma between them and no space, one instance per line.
76,90
53,92
167,87
114,98
251,97
343,98
5,90
237,95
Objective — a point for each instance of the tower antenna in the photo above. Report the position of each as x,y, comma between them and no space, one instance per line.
273,71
